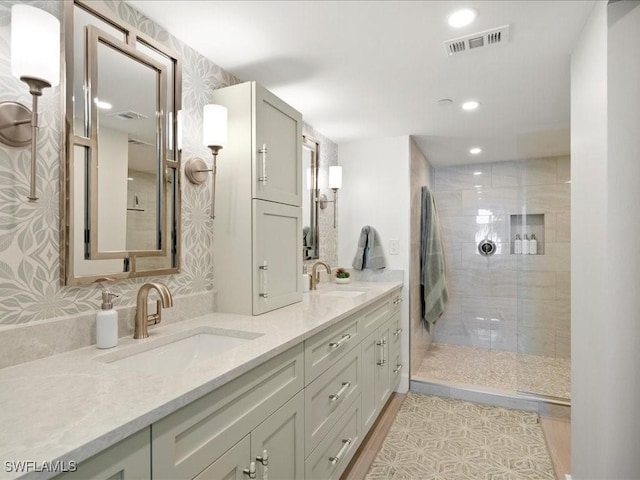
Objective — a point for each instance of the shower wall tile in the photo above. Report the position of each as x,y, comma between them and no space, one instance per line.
494,297
537,285
536,341
563,344
556,258
504,337
449,203
507,174
490,201
453,255
564,169
563,286
540,171
501,260
547,198
491,310
548,314
461,177
504,283
563,228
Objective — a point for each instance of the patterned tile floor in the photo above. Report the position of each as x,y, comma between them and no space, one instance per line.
497,370
444,439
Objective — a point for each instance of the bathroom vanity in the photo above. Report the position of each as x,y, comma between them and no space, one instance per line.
288,394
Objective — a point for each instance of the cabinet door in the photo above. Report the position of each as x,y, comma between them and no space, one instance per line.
128,460
280,438
383,386
369,358
278,150
277,256
229,466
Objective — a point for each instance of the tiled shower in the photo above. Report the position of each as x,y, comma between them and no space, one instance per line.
507,310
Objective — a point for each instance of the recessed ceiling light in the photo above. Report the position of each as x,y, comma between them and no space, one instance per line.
470,105
477,173
475,150
462,17
103,105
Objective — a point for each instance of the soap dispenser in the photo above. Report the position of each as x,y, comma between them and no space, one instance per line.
533,245
525,245
107,321
517,245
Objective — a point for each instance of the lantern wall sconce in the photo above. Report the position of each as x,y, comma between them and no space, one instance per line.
335,183
214,136
35,59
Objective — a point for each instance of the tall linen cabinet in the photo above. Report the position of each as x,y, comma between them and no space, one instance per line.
258,225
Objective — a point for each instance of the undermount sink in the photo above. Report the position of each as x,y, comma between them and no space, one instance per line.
344,293
173,354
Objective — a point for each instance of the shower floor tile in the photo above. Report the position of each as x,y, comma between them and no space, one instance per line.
496,369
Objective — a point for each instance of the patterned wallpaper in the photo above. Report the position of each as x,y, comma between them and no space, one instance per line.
30,287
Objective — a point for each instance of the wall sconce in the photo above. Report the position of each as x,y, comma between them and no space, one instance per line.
335,182
214,136
35,59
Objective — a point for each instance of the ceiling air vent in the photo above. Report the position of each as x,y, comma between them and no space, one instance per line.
488,38
127,115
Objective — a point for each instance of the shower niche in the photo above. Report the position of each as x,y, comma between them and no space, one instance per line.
531,225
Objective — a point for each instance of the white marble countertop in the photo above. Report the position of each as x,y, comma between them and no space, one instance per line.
69,407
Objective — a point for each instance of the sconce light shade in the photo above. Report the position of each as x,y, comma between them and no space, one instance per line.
335,177
35,44
214,125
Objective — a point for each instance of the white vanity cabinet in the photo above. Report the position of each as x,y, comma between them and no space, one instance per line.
130,459
258,198
222,433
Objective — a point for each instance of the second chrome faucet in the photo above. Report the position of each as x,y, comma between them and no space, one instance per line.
143,319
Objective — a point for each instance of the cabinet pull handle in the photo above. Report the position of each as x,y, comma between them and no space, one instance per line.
263,157
346,442
397,301
251,471
345,338
336,396
264,458
397,332
381,343
263,269
398,368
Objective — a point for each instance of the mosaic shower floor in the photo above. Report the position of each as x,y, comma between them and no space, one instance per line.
507,371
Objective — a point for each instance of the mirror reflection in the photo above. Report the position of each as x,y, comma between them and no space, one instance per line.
128,166
310,151
122,192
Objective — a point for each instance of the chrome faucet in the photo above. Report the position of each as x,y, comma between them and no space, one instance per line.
143,319
315,275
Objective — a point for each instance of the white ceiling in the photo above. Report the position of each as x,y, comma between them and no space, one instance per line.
366,69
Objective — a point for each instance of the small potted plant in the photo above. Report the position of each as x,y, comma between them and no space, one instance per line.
342,276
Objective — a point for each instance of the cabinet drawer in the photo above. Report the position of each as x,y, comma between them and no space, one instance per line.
327,347
329,395
396,300
375,315
395,332
187,441
334,452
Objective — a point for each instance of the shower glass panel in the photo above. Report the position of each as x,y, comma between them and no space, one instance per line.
540,245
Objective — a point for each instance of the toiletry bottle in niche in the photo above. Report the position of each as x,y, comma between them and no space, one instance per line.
517,245
533,245
525,245
107,322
